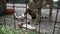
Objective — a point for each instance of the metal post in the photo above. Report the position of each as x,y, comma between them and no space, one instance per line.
4,22
40,14
26,16
56,18
14,15
4,8
50,13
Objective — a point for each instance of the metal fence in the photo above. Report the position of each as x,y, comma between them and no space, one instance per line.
11,22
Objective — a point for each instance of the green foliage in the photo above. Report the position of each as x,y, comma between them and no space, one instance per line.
8,30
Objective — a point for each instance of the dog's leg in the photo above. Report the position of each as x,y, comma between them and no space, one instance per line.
38,18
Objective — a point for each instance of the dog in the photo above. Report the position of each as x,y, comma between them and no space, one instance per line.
23,25
34,9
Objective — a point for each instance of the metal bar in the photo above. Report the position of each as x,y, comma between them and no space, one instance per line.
4,8
4,22
45,21
56,18
17,6
50,13
26,16
40,15
14,15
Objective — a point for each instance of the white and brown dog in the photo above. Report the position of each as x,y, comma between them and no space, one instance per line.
23,25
